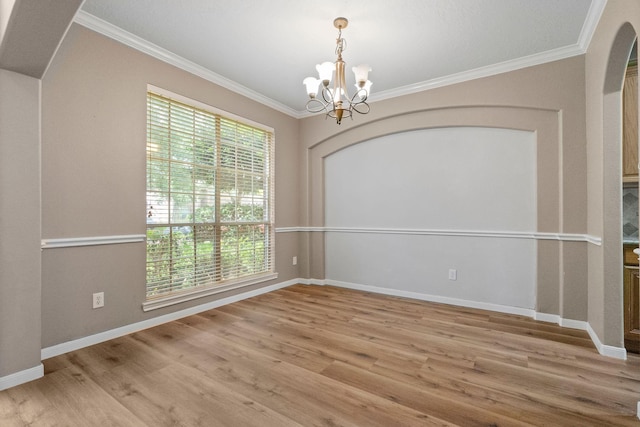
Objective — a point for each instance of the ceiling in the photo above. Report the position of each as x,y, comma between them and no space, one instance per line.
264,49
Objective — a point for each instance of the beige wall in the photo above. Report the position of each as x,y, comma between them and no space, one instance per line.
605,65
93,133
547,99
93,179
19,223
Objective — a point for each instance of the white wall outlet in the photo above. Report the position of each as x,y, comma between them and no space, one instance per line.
295,260
453,274
98,300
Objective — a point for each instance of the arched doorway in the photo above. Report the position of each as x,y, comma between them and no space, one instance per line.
630,205
612,189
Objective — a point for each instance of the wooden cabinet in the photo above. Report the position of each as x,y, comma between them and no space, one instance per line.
631,300
632,309
630,126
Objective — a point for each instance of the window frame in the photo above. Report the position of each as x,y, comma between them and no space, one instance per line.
167,299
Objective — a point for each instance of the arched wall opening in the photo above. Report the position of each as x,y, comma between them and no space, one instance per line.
612,184
551,245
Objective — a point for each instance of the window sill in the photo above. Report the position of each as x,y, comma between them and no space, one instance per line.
200,293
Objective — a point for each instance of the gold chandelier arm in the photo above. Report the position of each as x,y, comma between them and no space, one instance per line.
314,105
336,102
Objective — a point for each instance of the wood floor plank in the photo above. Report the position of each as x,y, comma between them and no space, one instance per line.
421,399
327,356
314,399
439,375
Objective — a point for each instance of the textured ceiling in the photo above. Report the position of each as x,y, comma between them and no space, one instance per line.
269,47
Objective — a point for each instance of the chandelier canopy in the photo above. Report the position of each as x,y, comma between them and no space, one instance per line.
336,101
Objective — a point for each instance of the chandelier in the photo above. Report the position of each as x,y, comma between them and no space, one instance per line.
336,101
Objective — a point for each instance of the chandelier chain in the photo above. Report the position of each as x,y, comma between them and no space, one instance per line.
336,102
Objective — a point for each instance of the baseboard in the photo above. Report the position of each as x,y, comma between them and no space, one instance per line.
48,352
605,350
433,298
21,377
87,341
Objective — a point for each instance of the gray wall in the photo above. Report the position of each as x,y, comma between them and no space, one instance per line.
19,223
547,99
93,120
404,209
93,179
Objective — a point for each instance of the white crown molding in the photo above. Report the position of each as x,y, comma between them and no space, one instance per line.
21,377
565,237
487,71
109,30
591,22
593,16
580,48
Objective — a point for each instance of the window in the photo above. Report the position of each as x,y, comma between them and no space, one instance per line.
209,200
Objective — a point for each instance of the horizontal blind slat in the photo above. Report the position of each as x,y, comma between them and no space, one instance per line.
195,160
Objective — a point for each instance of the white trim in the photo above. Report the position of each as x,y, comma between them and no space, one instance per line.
189,296
109,30
434,298
21,377
590,23
87,341
298,229
573,324
135,238
486,71
605,350
546,317
56,350
91,241
565,237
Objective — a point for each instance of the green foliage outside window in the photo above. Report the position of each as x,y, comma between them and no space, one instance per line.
208,197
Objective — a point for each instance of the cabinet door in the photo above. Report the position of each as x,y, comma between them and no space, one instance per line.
632,309
630,124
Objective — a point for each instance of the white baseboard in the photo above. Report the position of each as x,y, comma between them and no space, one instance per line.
546,317
48,352
605,350
79,343
433,298
21,377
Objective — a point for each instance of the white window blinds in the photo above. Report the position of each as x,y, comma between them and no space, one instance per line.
209,199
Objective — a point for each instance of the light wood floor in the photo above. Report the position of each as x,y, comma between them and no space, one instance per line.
324,356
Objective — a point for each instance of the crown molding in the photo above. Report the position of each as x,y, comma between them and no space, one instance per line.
593,16
487,71
580,48
109,30
590,23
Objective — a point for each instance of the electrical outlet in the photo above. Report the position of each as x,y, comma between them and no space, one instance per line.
295,260
453,274
98,300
